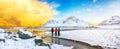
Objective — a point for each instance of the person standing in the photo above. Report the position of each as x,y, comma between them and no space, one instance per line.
56,31
52,31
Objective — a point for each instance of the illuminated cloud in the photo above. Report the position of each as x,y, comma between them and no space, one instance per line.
24,13
112,6
54,5
94,1
88,10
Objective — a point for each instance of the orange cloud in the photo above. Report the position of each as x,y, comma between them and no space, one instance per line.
24,13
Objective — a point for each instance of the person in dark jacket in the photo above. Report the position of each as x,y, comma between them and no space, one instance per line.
52,31
58,31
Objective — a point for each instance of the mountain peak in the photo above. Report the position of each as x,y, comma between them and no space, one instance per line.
71,18
114,20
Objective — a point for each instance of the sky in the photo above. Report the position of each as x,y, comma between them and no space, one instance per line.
92,11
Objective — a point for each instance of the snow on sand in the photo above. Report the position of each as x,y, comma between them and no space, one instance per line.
27,44
24,43
105,38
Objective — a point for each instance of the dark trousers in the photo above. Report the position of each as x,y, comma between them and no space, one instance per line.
55,33
58,33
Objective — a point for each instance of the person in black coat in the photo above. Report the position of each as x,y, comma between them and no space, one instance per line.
52,31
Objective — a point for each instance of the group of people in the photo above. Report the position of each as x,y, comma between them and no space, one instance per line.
55,31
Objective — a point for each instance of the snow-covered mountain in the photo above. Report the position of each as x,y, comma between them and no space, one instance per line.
52,22
69,21
114,20
74,21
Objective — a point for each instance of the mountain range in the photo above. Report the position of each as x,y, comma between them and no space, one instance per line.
74,21
69,21
114,20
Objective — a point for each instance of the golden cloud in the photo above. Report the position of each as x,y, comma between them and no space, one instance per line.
24,13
